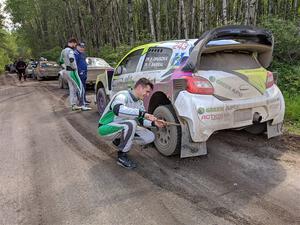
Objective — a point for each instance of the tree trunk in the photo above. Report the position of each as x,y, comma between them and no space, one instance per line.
224,12
202,15
130,23
158,27
270,7
192,30
151,20
179,21
185,28
252,12
295,9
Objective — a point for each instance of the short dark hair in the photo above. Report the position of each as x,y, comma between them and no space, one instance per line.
144,82
72,40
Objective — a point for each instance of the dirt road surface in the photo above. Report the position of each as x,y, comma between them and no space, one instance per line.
55,170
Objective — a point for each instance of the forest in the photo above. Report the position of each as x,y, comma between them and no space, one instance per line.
111,27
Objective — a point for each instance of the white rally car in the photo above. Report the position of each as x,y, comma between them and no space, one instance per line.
216,82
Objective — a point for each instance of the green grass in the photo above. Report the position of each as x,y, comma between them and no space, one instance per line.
292,114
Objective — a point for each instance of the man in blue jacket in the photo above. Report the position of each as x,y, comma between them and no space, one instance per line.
82,67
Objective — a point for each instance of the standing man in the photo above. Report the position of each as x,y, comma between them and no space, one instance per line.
82,67
67,59
124,120
20,67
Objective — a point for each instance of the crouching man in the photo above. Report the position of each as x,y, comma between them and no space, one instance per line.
124,120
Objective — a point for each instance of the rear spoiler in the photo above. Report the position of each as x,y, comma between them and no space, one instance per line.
255,35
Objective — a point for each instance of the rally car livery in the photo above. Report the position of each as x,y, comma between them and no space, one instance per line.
216,82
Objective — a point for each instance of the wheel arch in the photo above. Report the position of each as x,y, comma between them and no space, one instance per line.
157,99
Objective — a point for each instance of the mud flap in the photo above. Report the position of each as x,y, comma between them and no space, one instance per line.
188,147
274,130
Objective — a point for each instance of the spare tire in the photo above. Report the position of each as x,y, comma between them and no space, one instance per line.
168,139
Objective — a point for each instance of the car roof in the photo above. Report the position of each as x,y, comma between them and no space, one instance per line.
169,43
165,44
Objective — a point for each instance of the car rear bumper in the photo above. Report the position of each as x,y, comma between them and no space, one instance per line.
206,114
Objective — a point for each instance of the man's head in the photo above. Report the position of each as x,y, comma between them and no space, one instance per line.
143,88
81,47
72,42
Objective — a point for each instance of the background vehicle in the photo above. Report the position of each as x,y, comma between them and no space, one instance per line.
216,82
96,66
30,69
46,69
12,68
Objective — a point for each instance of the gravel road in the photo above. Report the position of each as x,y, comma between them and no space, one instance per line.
55,170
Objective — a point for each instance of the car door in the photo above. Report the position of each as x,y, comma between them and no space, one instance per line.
126,71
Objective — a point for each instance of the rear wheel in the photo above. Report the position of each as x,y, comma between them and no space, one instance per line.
167,139
257,128
102,100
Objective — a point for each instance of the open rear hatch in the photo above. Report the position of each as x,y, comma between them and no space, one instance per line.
233,59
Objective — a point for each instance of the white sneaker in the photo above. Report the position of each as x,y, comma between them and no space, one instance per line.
85,108
76,107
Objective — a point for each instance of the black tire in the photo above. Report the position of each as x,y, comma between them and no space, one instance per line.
102,100
167,140
60,82
259,128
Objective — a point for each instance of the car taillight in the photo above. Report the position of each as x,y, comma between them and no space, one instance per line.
198,85
270,79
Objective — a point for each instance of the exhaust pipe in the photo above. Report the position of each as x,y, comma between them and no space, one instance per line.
257,118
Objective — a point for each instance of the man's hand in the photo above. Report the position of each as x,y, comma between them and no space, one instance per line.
160,123
150,117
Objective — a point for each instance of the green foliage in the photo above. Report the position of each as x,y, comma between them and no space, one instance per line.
8,49
288,77
113,56
52,54
292,112
286,37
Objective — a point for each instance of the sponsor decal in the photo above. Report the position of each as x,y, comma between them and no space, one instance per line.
180,45
177,59
201,110
212,79
225,85
231,107
215,109
212,117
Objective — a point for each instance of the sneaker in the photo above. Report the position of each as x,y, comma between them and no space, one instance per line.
124,161
75,107
116,142
85,108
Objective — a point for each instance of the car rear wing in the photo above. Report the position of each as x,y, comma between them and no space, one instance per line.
245,38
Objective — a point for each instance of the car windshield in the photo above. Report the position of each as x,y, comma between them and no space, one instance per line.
228,61
96,62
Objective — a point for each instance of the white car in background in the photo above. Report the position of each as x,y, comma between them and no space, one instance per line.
96,66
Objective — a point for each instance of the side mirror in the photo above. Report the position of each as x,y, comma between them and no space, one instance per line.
119,70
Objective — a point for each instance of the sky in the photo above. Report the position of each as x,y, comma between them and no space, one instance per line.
7,21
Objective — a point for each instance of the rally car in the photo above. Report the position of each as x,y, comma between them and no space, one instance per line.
216,82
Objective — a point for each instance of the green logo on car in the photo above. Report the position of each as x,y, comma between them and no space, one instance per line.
201,110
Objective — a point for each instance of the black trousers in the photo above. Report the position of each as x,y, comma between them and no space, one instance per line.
20,73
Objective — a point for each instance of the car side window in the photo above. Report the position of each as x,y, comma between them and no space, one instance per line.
129,64
157,59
